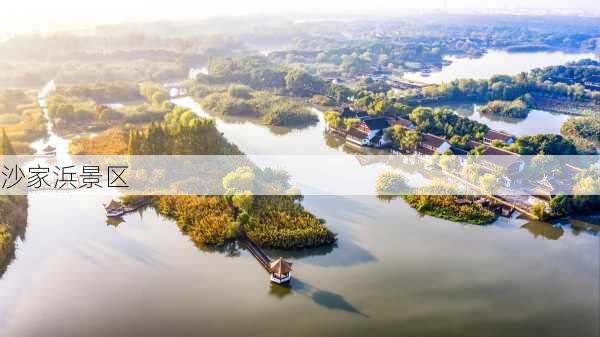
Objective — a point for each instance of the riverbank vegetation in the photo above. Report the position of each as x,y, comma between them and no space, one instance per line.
585,198
240,100
390,185
205,219
506,88
548,144
280,221
13,223
97,107
110,142
517,108
5,237
259,73
444,122
584,132
21,119
268,220
440,200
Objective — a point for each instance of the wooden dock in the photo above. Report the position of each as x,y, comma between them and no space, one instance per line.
260,256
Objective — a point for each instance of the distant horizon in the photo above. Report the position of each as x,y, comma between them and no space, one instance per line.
27,16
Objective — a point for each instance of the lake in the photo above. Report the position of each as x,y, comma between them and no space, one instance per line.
495,62
393,272
537,121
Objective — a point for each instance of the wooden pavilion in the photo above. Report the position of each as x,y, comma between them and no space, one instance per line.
281,271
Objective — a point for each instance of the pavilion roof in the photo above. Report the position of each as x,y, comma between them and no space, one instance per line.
112,204
281,266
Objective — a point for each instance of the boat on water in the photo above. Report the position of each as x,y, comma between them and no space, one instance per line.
114,209
115,213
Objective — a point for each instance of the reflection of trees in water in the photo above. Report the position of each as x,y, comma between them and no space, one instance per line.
229,249
277,130
554,230
544,229
323,298
342,253
469,110
332,141
13,213
465,109
589,224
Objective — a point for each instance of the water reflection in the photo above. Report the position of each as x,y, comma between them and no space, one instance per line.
229,249
256,121
325,256
323,298
544,229
585,224
537,121
495,62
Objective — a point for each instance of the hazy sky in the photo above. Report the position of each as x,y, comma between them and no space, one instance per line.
34,13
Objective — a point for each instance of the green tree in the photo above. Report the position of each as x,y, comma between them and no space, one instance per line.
333,119
488,183
539,210
240,180
301,83
239,91
391,183
561,205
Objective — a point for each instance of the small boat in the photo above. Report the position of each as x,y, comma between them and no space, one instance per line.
114,209
117,209
115,213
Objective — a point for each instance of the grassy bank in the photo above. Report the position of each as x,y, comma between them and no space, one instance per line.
445,207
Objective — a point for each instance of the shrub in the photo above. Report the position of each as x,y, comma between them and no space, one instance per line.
280,222
539,210
5,237
206,219
239,91
391,183
322,100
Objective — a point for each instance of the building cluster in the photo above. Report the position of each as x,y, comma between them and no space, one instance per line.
370,132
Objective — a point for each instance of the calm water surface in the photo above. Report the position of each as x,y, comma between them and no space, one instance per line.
391,273
537,121
496,62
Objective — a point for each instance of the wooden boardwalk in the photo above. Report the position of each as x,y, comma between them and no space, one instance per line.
497,198
260,256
